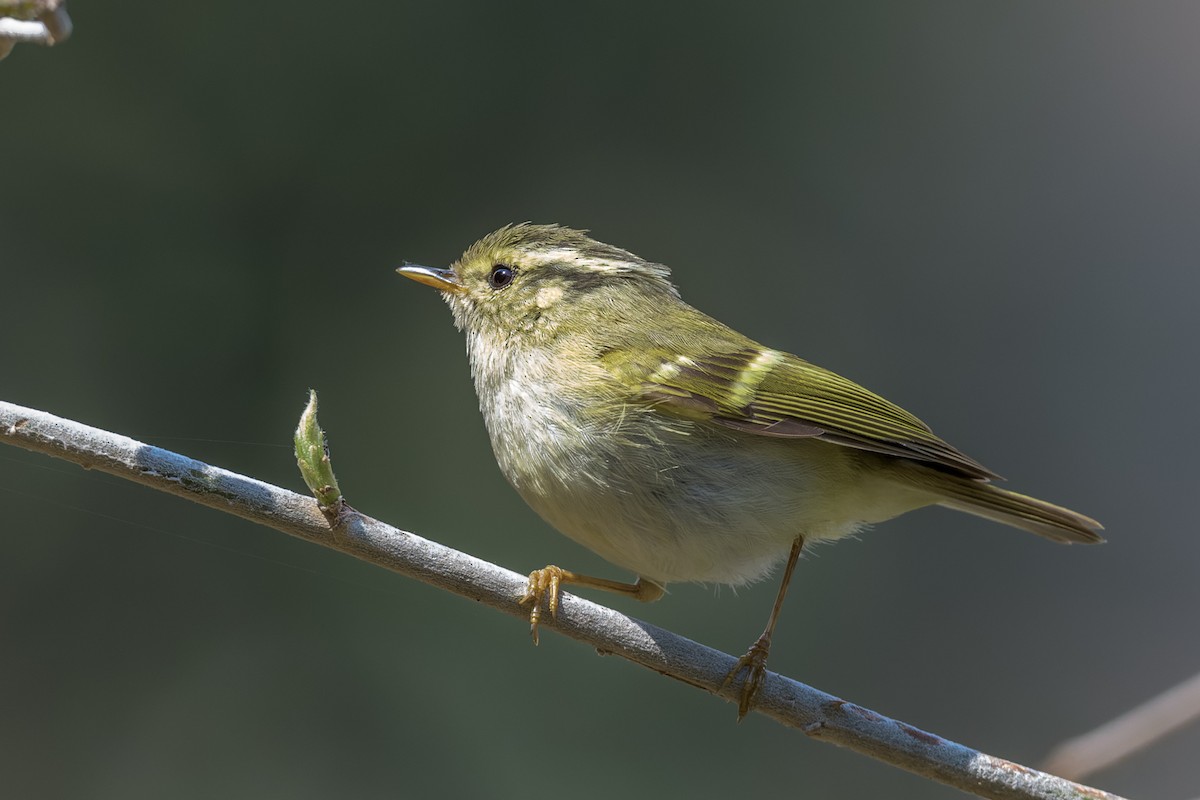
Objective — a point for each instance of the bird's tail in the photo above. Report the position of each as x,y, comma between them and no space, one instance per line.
992,502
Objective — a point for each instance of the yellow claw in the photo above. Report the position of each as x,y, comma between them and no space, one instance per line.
547,582
543,583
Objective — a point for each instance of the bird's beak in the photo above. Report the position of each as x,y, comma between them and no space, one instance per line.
444,280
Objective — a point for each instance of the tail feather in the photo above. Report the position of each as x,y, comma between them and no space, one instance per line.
1001,505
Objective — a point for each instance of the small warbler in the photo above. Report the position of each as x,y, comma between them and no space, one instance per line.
676,447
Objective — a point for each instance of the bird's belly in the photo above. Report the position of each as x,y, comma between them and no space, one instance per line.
691,527
685,501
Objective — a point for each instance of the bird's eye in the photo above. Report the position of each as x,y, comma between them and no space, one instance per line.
502,275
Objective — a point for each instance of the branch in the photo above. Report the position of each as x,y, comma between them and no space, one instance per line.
815,713
44,22
1137,728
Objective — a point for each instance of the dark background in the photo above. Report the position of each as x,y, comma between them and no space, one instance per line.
986,212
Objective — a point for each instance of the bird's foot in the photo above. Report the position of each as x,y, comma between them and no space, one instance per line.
754,664
545,585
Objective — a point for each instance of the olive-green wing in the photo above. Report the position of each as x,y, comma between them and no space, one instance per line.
772,393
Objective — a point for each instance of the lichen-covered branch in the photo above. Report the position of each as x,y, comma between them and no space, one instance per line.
815,713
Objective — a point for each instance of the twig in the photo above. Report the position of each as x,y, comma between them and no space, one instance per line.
817,714
43,22
1128,733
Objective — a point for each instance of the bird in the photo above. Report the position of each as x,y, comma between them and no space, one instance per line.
676,447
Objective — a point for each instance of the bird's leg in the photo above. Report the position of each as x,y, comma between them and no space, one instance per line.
547,584
755,660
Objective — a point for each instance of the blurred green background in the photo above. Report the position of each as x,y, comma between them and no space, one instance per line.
986,212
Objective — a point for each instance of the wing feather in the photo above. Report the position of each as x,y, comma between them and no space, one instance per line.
772,393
